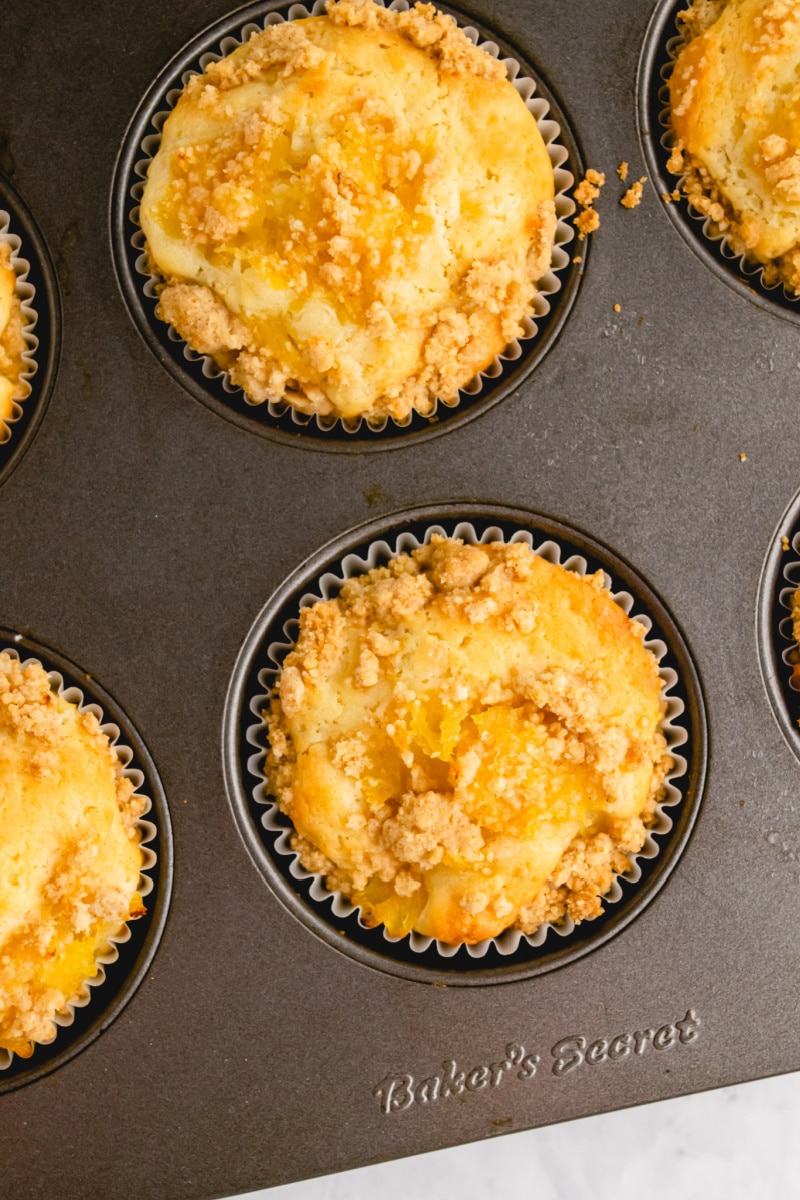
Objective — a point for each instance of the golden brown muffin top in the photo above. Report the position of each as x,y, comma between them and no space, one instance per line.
69,853
735,99
467,739
351,211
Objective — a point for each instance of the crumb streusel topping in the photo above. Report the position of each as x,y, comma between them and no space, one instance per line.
587,191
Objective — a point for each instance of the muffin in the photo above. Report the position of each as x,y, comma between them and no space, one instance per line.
12,343
468,739
350,212
69,855
734,97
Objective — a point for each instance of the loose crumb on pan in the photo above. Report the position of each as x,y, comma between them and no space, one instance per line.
742,456
617,308
587,191
437,787
785,544
633,196
622,170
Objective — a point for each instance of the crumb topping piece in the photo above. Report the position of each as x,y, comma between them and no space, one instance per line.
468,738
735,99
633,196
587,191
351,212
13,387
69,855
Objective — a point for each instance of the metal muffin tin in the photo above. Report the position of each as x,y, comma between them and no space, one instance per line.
142,536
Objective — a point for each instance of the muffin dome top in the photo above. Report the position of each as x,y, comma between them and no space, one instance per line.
468,739
69,852
735,98
351,211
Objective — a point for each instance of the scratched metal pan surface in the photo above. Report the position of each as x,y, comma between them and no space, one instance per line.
143,533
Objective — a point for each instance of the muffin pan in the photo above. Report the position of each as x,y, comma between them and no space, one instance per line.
143,536
203,379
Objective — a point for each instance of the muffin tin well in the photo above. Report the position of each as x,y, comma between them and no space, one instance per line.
264,828
38,289
123,971
203,378
661,47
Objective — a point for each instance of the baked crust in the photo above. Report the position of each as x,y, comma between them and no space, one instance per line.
351,212
735,100
69,855
12,343
468,739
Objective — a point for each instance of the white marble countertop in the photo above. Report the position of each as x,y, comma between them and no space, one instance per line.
735,1143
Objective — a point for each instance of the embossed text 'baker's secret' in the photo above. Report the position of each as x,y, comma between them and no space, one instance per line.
396,1093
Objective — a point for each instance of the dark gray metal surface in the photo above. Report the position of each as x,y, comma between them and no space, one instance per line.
141,535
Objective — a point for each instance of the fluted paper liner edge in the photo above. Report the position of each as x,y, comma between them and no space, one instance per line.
328,584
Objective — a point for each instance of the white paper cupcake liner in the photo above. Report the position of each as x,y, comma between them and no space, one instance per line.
26,293
334,903
701,224
788,648
547,286
147,832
